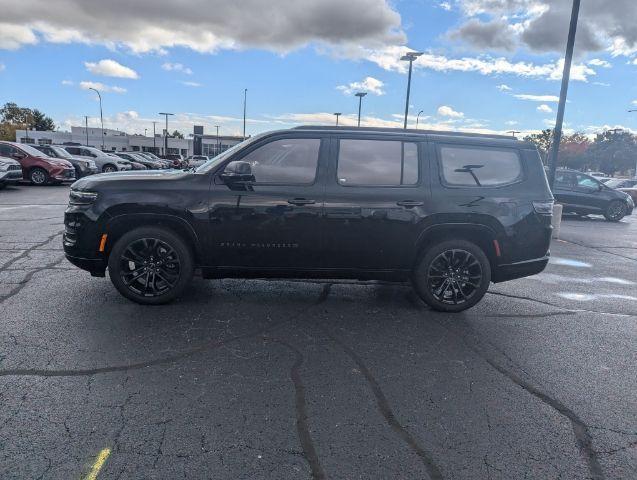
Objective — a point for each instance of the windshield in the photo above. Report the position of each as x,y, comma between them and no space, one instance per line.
213,162
32,151
61,152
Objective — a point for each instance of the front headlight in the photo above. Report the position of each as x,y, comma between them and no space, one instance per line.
77,197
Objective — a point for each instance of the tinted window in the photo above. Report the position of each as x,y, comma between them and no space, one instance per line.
7,150
473,166
291,161
564,179
73,150
377,162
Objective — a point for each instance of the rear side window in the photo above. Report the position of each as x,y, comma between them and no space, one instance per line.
482,167
377,163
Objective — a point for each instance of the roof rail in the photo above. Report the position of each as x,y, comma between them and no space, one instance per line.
401,130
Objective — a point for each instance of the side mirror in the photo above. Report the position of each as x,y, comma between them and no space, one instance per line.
237,172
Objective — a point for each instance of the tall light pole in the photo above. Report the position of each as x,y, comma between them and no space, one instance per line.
360,96
566,75
86,128
101,115
418,118
154,138
409,57
513,132
245,98
145,132
337,114
166,135
217,127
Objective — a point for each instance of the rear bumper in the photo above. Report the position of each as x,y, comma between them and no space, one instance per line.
511,271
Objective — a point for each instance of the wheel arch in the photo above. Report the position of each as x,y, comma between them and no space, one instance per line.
121,224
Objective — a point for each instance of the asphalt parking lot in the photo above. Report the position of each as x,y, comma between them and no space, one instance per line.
291,380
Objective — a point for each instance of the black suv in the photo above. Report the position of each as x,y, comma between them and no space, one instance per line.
451,212
582,194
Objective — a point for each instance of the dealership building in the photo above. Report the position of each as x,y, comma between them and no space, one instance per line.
197,143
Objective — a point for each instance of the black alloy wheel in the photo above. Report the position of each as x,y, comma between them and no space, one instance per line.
615,211
150,265
453,276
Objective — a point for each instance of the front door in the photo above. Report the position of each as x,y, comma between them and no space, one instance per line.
377,193
273,220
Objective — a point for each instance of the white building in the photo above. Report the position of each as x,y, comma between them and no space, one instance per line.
116,141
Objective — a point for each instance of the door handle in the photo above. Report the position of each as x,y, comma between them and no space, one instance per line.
301,201
410,203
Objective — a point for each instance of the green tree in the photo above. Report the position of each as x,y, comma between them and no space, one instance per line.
542,141
574,151
177,134
613,151
41,122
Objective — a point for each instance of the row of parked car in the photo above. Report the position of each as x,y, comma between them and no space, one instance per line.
44,164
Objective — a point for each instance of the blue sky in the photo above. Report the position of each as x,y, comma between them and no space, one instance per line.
488,65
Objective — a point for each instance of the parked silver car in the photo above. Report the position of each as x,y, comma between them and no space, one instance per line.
104,162
10,171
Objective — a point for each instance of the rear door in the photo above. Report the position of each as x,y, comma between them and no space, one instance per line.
273,221
376,194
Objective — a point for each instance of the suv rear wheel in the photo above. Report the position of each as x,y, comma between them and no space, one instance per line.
615,211
150,265
452,275
109,168
38,176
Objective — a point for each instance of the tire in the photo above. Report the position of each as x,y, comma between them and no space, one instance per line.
164,251
452,276
39,176
109,168
615,211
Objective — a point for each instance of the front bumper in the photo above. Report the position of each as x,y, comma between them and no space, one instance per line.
511,271
95,266
11,176
62,174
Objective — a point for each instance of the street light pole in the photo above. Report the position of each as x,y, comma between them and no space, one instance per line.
101,115
217,127
566,75
409,57
154,139
86,128
337,114
166,135
418,118
513,132
245,98
360,96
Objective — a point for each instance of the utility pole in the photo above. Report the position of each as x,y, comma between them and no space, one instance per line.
154,137
86,128
360,96
166,135
409,57
101,115
566,75
245,98
513,132
337,114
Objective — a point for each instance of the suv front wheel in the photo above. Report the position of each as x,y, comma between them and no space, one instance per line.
150,265
452,275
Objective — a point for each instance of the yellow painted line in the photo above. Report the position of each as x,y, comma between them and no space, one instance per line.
99,463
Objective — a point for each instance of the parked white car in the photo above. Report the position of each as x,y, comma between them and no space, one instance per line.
10,171
105,163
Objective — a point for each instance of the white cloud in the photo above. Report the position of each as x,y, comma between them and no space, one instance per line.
192,84
538,98
369,84
544,108
601,84
68,83
597,62
447,111
201,25
445,6
634,102
176,67
504,88
101,87
2,67
110,68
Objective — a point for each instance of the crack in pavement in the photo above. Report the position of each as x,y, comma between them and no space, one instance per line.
27,278
566,309
302,425
599,249
26,252
385,408
581,431
34,372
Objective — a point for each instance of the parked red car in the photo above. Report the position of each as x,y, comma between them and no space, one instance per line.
38,167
